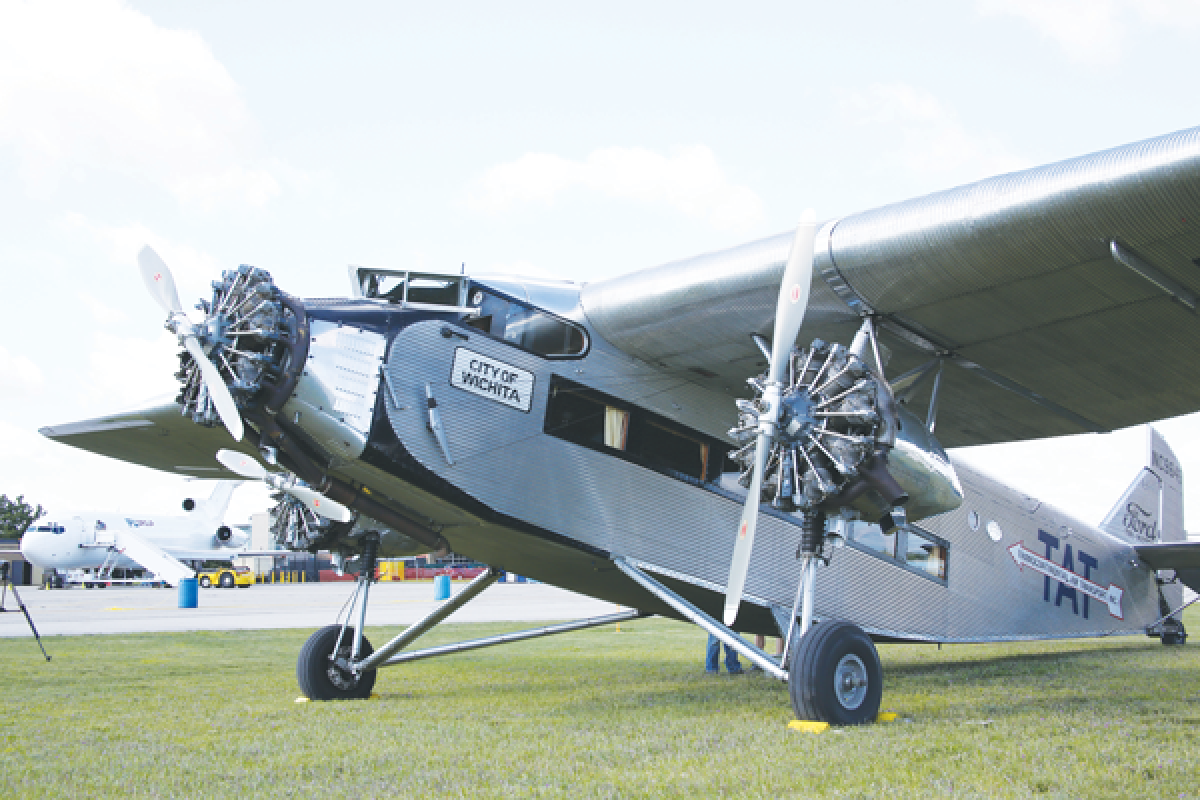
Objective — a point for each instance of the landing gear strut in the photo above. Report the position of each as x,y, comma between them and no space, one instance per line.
327,667
834,673
338,662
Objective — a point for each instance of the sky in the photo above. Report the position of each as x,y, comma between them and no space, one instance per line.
578,141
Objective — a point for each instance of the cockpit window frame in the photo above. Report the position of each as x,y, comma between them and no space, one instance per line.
478,307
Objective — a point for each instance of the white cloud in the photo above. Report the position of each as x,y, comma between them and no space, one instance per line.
93,84
926,138
102,312
18,375
194,270
688,180
126,372
1094,31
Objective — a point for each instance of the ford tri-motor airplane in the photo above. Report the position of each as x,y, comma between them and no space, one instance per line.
744,439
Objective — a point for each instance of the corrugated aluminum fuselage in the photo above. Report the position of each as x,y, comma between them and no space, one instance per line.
539,505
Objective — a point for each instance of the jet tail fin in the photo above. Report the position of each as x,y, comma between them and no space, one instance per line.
1151,509
218,502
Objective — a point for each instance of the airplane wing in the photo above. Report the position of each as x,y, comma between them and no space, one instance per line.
159,437
1062,299
152,557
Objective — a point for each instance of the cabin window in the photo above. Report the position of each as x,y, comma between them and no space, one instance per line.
528,328
872,537
924,554
910,547
52,527
593,419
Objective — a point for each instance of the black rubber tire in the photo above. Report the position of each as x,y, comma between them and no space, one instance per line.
828,647
1174,639
319,679
226,580
205,582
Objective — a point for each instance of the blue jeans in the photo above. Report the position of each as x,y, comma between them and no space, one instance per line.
712,657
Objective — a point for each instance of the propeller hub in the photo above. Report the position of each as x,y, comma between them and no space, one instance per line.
820,426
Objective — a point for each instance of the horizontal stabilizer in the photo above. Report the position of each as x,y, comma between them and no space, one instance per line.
1170,555
152,557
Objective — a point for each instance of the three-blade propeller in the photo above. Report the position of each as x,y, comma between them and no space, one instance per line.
248,467
789,316
161,284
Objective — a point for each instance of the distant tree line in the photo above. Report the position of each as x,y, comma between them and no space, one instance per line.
16,516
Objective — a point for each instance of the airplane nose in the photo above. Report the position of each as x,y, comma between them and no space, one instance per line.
33,548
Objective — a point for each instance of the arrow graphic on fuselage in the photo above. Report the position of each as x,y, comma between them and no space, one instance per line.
1111,596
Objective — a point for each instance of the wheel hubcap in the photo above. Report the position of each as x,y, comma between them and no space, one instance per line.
850,682
340,678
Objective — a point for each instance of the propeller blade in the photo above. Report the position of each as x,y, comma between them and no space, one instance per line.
320,504
159,280
242,464
744,544
217,389
790,307
793,295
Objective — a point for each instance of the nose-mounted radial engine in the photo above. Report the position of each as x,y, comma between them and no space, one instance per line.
248,359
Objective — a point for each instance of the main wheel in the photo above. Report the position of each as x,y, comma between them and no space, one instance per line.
321,679
835,675
226,580
205,582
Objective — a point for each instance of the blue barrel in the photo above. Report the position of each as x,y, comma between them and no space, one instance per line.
441,588
189,594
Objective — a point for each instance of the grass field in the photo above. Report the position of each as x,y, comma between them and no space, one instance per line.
595,713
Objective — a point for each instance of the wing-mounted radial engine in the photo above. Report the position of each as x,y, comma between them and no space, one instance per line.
825,436
842,442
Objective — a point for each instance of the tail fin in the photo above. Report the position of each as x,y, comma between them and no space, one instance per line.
218,502
1151,510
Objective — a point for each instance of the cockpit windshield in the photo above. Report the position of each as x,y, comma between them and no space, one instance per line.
526,327
408,289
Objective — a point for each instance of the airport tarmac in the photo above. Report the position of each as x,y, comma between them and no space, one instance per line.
310,605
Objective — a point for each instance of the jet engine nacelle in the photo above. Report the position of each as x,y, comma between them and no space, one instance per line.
224,534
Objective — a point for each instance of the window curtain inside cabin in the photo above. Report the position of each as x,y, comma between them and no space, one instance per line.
616,427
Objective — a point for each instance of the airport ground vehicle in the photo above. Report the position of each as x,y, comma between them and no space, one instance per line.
226,577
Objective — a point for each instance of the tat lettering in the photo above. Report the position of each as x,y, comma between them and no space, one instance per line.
1066,577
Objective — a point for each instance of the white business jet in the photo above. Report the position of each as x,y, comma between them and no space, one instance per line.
103,540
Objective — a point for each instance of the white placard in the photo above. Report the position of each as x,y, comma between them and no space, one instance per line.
495,380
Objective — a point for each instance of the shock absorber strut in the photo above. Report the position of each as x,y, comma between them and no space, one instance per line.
370,552
812,544
812,539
